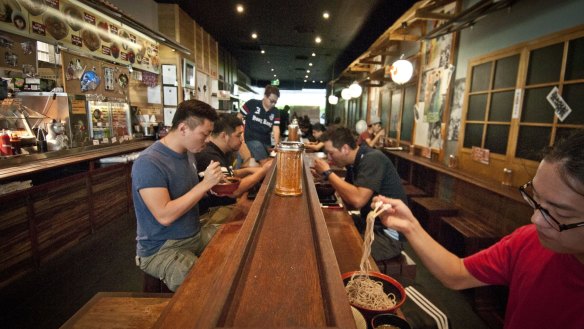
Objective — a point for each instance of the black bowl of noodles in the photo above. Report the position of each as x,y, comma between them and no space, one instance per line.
366,295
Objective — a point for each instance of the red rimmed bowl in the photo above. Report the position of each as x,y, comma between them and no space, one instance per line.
226,187
390,285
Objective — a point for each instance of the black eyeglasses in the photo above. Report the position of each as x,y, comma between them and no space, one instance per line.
544,212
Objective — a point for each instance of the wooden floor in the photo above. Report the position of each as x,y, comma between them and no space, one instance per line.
105,263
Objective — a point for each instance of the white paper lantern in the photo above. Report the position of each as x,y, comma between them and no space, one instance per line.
360,126
355,90
333,100
401,71
346,94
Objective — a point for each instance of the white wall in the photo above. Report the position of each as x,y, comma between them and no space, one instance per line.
143,11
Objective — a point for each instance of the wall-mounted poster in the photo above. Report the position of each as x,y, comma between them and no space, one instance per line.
456,109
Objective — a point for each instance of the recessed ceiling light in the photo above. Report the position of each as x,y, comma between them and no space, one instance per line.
263,51
309,64
317,39
320,81
254,35
307,71
326,15
239,8
312,81
313,54
306,76
304,80
272,70
275,75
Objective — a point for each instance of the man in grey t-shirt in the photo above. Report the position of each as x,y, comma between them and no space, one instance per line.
166,191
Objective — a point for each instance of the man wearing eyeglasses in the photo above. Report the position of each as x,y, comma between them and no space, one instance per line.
261,118
541,263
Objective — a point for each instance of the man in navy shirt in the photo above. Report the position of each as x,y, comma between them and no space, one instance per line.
262,119
369,173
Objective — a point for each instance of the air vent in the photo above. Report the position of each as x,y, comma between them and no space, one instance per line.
301,57
299,69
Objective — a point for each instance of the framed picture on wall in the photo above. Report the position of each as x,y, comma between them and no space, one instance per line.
168,74
188,74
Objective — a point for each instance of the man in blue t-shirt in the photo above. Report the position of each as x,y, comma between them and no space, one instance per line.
369,173
262,119
166,193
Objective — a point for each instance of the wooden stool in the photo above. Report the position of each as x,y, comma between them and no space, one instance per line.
429,210
465,235
401,266
413,192
152,284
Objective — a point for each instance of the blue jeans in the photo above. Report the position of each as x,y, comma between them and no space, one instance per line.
258,150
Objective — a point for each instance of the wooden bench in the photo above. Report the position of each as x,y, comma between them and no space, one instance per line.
429,210
465,234
413,192
401,267
123,310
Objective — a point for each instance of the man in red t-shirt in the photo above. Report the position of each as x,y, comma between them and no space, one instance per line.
542,263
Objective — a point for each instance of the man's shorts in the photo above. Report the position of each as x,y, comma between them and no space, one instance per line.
258,150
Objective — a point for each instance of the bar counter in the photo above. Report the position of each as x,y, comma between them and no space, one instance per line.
276,263
71,197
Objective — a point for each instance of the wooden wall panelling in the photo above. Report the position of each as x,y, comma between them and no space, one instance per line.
61,214
167,22
186,34
109,193
206,53
16,249
213,58
199,46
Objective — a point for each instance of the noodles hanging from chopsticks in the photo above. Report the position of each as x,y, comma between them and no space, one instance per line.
361,290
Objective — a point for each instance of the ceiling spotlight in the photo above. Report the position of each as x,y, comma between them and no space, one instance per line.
312,81
326,15
275,75
307,71
263,51
304,80
306,76
272,70
254,35
320,81
313,54
239,8
317,39
309,64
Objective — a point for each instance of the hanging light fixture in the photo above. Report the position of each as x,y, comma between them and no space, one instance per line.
401,71
333,100
355,89
346,94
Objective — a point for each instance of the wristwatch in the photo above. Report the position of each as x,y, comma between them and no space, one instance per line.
326,174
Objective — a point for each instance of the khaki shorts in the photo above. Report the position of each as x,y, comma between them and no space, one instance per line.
217,215
175,258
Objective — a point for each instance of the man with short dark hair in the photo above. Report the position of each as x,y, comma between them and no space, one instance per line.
225,141
369,173
166,191
261,120
316,144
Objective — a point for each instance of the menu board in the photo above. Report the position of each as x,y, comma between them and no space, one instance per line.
120,119
80,28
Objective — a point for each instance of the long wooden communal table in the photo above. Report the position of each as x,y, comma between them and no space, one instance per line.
275,269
